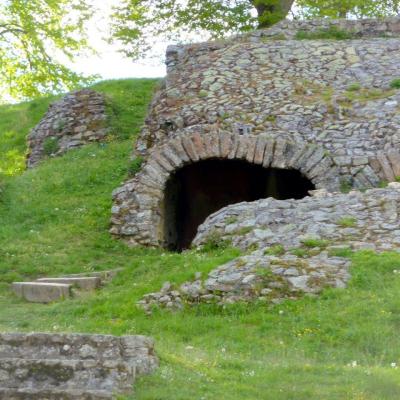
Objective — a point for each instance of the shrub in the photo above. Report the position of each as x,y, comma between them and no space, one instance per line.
51,146
395,84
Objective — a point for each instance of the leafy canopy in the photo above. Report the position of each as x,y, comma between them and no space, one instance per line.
34,36
139,24
347,8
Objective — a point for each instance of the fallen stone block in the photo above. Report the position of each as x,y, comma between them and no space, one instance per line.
37,292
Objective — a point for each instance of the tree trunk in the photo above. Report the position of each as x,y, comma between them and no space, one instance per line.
271,11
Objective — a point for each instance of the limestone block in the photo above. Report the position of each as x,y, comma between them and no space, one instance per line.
84,283
36,292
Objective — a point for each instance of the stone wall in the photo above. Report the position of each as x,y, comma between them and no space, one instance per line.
333,95
294,246
62,366
77,119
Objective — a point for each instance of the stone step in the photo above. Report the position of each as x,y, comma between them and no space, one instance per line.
136,350
37,292
83,283
34,394
103,275
106,375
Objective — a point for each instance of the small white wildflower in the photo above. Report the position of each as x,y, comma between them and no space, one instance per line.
223,349
280,312
393,365
189,347
354,364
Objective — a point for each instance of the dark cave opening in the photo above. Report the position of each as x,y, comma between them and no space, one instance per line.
198,190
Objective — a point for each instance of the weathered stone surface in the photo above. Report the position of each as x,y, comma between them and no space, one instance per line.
142,225
273,102
37,292
68,366
257,277
304,235
345,219
77,119
84,283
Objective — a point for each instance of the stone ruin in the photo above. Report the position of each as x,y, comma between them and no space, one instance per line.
254,141
77,119
263,115
40,366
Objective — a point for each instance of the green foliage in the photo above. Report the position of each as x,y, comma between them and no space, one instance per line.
315,242
345,186
347,222
325,34
134,166
345,252
383,184
127,102
51,146
348,8
214,242
354,87
344,344
244,231
395,84
275,250
32,33
138,23
15,123
300,252
231,220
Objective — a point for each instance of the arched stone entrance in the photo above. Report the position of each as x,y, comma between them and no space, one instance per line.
140,215
197,190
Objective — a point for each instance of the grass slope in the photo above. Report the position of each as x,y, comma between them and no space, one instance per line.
54,219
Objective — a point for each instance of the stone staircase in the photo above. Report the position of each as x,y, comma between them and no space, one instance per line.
47,290
72,367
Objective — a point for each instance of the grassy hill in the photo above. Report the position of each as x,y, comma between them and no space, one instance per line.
55,219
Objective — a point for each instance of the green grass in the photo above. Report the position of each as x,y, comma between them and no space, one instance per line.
127,102
395,83
333,33
55,220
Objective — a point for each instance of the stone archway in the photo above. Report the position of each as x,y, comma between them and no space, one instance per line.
197,190
139,213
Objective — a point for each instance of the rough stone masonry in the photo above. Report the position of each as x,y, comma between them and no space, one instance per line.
292,247
327,108
77,119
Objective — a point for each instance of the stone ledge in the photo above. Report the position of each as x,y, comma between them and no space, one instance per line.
37,292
